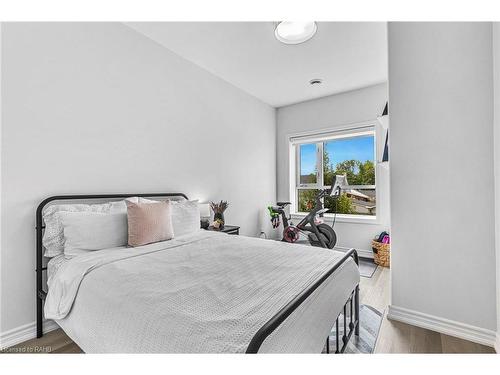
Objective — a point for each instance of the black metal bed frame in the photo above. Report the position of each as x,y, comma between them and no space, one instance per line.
288,309
261,334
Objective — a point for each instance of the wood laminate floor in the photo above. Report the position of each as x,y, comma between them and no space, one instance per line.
394,337
397,337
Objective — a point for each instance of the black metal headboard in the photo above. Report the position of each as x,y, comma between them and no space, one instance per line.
40,293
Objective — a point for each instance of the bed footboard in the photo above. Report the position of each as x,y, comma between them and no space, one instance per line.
288,309
349,329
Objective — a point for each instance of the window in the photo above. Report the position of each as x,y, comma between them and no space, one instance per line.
350,154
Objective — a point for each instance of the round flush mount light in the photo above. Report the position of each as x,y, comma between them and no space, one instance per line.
294,32
315,81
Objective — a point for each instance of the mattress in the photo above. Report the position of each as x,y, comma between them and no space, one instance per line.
203,293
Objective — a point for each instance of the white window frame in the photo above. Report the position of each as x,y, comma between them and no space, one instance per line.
319,137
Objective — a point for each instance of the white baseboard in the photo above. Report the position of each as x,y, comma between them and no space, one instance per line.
448,327
363,253
23,333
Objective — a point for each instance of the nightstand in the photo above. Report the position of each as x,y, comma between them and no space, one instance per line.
229,229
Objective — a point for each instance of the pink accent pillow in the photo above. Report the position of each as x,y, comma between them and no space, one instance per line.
149,222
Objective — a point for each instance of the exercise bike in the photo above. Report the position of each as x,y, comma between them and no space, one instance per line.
318,234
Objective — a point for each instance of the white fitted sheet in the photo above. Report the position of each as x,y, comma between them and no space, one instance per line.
203,293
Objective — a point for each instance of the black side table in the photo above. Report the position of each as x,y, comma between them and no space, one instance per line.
229,229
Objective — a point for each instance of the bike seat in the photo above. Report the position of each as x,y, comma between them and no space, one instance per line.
283,204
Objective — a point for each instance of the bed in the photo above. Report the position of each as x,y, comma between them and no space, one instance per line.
205,292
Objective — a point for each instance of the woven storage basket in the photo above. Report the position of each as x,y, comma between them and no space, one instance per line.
381,253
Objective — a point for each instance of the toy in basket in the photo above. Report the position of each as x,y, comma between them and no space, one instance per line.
381,247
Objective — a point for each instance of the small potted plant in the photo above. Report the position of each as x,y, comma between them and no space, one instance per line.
218,209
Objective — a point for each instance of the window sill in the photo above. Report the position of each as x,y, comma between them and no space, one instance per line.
354,219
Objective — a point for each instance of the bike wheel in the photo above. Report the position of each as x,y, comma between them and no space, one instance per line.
291,234
330,235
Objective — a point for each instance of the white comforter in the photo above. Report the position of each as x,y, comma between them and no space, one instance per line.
207,292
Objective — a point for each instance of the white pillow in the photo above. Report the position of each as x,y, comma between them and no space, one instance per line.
53,236
121,206
89,231
185,216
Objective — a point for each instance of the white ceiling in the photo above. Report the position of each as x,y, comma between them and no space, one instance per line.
346,55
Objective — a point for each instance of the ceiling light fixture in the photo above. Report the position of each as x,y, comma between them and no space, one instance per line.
294,32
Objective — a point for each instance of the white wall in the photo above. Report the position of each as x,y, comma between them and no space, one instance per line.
496,114
329,113
1,108
99,108
442,208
